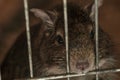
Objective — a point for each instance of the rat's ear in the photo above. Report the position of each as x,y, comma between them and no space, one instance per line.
47,17
91,9
53,15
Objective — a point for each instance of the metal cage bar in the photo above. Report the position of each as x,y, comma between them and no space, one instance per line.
0,74
72,75
28,36
96,38
66,35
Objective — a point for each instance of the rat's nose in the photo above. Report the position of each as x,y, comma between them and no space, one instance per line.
82,65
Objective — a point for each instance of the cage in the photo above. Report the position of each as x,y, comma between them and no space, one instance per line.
68,76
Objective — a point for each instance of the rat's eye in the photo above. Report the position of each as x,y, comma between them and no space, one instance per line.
92,34
59,39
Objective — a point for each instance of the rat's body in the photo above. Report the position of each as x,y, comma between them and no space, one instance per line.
48,46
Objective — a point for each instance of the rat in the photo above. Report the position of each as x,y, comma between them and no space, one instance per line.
48,46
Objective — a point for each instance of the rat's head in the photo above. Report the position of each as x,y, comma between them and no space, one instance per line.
81,38
80,34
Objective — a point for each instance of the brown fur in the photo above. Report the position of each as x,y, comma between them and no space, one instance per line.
49,56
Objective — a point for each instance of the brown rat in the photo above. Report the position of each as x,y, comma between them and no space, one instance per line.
48,46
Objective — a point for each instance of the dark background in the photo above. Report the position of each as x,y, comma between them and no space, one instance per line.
110,21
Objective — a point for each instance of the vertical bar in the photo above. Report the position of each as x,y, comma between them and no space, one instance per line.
96,38
66,35
0,74
28,37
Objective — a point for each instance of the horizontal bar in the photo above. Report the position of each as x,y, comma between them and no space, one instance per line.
72,75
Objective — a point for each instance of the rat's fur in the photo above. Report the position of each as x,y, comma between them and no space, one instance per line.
49,56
